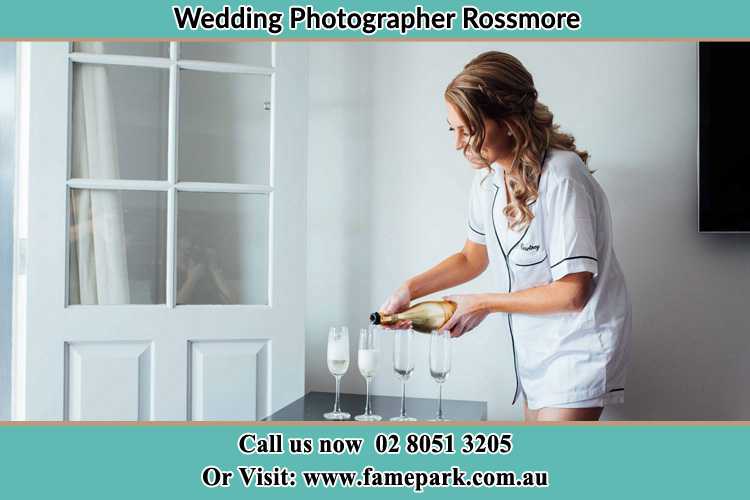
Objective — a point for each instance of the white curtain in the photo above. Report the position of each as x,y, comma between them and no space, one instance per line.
99,267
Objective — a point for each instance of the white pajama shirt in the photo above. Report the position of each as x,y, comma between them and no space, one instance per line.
572,359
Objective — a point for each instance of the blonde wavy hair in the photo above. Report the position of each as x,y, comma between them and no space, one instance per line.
496,86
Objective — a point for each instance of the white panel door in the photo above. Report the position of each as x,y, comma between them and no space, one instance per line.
166,229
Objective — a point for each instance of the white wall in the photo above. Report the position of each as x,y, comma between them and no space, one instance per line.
397,208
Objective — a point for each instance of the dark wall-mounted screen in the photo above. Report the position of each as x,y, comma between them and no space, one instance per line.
724,136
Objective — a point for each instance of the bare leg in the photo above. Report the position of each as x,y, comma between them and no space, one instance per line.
568,414
529,415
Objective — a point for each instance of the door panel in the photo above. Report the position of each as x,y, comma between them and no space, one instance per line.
225,377
108,380
165,361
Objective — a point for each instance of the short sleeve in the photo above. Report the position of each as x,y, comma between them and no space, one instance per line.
475,230
570,229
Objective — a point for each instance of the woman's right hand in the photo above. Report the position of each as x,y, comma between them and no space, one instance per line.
397,302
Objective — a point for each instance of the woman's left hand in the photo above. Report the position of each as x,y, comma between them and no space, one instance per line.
470,311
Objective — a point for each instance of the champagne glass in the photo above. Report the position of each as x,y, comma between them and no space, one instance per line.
403,365
338,363
440,365
367,359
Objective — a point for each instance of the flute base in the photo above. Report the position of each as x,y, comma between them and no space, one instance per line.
368,418
313,405
439,419
403,418
337,415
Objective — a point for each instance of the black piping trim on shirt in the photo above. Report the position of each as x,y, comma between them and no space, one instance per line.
528,204
544,158
576,257
533,264
479,233
520,239
507,268
617,390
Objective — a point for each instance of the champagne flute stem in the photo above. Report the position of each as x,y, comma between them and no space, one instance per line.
403,398
336,404
368,410
440,401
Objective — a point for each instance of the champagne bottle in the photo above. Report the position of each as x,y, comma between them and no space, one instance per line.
425,316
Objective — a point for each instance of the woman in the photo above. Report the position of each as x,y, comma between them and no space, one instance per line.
539,218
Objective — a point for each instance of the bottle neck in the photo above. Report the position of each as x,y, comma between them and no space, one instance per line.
388,318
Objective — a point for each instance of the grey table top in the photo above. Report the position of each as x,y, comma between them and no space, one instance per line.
313,405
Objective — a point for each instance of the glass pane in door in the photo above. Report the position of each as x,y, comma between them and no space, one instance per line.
222,248
116,247
225,127
248,53
119,122
148,49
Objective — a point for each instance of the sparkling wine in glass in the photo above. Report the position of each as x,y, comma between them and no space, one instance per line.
367,360
440,365
403,365
338,362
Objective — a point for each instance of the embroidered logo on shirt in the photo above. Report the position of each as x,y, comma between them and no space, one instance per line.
529,248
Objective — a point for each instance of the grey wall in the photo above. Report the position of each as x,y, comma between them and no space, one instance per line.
7,168
387,198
